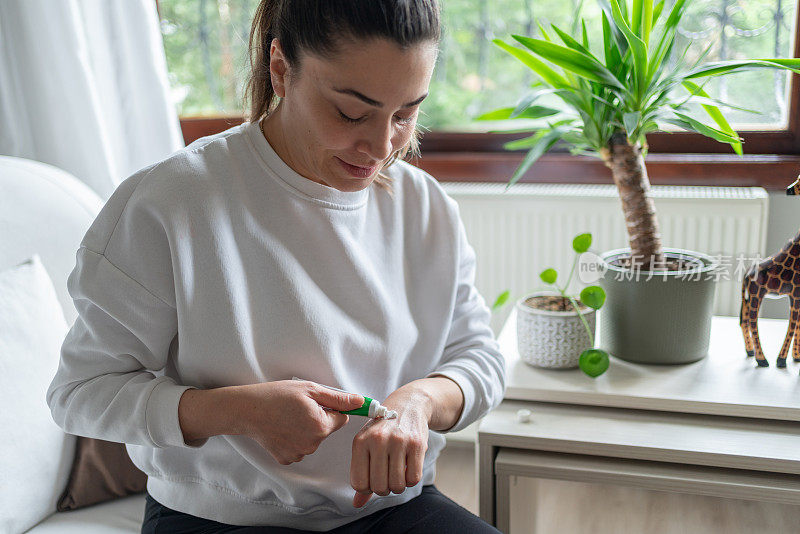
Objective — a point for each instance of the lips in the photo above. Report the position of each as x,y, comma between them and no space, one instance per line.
359,171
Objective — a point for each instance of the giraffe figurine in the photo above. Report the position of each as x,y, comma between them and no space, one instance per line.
777,275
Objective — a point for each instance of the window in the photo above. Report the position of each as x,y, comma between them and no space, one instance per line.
473,74
206,45
206,41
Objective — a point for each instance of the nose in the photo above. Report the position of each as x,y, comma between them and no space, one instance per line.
378,142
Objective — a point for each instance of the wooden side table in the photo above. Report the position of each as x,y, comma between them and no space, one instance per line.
720,426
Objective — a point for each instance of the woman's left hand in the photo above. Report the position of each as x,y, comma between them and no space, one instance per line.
388,453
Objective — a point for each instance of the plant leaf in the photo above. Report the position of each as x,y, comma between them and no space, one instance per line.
715,114
577,17
693,125
619,38
502,298
548,276
594,362
637,47
542,145
581,243
610,48
623,6
512,130
571,42
581,64
584,34
532,112
544,32
664,47
636,16
697,99
538,66
526,142
528,99
659,7
593,296
721,67
631,120
647,21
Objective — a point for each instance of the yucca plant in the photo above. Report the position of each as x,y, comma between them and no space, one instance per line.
616,96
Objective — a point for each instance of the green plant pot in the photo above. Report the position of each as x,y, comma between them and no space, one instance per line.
663,320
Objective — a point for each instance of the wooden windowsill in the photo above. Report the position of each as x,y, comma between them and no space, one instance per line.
772,172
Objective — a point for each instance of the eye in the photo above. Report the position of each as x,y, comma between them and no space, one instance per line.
349,119
397,118
404,120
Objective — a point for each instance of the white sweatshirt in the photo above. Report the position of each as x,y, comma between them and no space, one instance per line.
222,266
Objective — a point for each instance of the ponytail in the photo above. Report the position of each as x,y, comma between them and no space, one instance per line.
259,88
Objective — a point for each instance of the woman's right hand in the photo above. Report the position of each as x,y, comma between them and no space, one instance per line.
287,417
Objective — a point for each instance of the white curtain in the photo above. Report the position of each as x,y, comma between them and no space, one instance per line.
83,86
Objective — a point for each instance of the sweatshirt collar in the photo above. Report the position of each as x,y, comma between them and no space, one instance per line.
298,184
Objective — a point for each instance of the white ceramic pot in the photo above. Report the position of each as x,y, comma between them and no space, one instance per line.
552,339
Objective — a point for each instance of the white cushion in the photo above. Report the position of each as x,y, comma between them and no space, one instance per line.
120,516
35,454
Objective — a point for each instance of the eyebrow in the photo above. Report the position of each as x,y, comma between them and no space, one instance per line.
375,103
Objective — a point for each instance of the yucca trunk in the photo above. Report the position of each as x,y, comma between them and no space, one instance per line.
630,174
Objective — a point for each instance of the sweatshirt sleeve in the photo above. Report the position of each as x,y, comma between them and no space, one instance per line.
472,358
108,384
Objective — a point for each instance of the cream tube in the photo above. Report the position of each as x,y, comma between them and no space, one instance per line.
371,408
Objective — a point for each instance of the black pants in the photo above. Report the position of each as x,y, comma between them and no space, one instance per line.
430,512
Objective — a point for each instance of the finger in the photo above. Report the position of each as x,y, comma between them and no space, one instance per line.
415,457
397,471
359,466
337,420
360,499
297,458
331,398
379,470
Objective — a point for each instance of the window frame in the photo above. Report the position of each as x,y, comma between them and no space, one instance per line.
771,160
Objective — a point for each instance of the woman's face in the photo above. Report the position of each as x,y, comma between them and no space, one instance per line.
341,119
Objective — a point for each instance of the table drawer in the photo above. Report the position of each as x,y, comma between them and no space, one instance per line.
679,478
702,440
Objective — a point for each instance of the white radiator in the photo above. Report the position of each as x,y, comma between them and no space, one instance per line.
518,234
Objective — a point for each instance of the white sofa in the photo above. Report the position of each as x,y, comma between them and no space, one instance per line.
46,211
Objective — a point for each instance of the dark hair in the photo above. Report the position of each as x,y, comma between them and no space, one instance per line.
318,27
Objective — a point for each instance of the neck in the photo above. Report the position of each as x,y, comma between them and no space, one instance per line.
274,130
791,242
274,133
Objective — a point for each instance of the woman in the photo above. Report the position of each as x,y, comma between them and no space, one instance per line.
213,277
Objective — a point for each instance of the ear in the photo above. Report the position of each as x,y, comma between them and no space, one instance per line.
278,68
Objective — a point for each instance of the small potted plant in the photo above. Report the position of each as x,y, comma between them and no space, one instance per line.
555,330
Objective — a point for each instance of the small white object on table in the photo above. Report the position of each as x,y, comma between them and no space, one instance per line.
524,416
